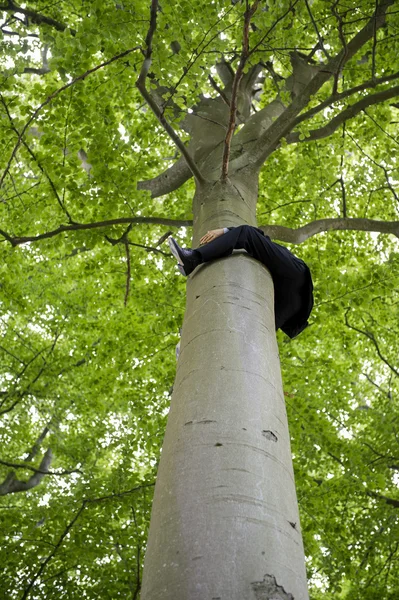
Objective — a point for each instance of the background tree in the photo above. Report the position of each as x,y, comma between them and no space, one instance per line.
90,305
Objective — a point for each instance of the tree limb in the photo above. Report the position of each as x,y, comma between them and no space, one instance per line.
38,443
18,240
348,113
278,232
390,501
300,235
371,83
37,18
168,181
141,86
218,90
343,41
268,141
249,12
13,485
39,470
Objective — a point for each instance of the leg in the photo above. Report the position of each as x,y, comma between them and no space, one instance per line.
279,260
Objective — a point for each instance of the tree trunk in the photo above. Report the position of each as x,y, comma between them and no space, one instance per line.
225,520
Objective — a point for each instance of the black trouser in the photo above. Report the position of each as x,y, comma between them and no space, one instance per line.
287,271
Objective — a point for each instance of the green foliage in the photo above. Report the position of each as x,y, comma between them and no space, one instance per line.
91,377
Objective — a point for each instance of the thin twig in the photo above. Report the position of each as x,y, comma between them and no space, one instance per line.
85,503
148,97
219,90
19,194
128,270
387,178
249,12
371,337
151,248
374,43
268,32
381,128
197,52
342,182
344,45
53,95
321,45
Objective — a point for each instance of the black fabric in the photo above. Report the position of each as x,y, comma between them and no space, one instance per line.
293,287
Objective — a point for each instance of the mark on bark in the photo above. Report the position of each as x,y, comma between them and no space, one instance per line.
268,589
203,422
244,428
218,444
293,525
269,435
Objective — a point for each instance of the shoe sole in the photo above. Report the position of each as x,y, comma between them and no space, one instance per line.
174,251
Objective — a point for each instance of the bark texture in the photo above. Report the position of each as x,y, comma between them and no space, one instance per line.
225,521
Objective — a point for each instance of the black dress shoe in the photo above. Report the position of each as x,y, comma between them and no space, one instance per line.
188,259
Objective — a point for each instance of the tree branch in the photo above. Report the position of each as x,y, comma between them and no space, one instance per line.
300,235
249,12
345,115
39,470
18,240
40,166
12,485
387,178
278,232
218,90
321,45
56,547
371,337
390,501
37,18
141,86
52,96
343,41
268,141
38,443
168,181
68,528
342,95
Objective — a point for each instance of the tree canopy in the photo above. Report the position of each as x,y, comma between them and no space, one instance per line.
91,184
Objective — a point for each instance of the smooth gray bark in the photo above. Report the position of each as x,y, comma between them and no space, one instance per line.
225,520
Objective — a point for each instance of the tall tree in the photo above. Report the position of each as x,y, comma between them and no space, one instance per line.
284,116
